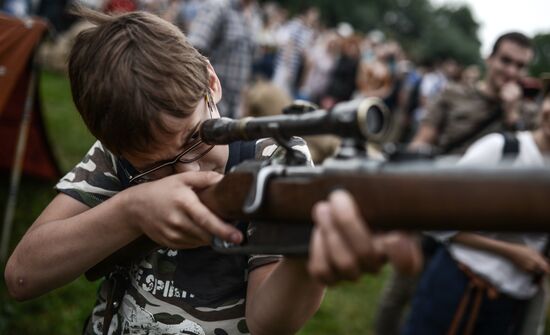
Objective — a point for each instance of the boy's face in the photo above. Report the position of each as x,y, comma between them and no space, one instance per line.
182,134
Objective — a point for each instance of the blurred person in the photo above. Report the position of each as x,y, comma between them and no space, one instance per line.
119,6
484,283
423,88
394,303
264,98
293,39
342,85
462,114
458,116
179,12
222,31
470,75
408,100
53,54
376,77
165,9
188,12
445,70
320,62
266,40
367,49
370,44
143,90
383,77
56,13
530,87
19,8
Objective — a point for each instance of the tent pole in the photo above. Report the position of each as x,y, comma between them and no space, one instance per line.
17,167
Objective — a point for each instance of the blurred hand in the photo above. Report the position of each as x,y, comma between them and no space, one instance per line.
170,213
343,247
511,95
511,92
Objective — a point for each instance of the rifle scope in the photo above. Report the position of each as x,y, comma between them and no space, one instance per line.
365,119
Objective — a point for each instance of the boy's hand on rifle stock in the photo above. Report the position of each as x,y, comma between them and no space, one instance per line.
343,246
170,213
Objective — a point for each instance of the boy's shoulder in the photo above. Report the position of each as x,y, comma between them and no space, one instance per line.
94,179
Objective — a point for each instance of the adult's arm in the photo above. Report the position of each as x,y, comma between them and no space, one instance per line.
523,256
281,297
431,124
426,135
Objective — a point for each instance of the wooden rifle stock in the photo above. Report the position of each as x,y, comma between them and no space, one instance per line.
422,199
406,197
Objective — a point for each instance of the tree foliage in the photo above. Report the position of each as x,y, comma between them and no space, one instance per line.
423,30
542,58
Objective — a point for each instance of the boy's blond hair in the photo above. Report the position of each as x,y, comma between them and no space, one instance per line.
129,69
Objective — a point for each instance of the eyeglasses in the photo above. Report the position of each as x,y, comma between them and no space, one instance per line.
195,150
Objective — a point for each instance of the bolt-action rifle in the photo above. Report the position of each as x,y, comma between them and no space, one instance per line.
416,195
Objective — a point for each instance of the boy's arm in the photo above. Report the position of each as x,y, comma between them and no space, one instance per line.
68,237
281,297
524,257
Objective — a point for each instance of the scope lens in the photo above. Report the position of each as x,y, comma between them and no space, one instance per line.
375,120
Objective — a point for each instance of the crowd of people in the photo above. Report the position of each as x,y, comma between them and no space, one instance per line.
472,283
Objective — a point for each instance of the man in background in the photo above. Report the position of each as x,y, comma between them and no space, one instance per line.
463,114
222,31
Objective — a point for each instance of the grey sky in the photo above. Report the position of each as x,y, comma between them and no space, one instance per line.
497,17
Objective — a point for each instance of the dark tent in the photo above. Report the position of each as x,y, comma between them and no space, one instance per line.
23,144
18,41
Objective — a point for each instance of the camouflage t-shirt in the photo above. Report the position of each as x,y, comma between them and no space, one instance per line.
193,291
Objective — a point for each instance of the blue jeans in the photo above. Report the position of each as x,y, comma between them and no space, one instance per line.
439,293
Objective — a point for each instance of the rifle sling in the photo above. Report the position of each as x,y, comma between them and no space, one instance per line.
118,282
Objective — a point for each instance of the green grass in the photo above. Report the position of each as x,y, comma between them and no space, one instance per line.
66,130
64,310
347,309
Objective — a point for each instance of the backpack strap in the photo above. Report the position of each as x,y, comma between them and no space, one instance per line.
510,150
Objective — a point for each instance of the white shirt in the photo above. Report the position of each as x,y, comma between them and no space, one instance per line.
498,270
